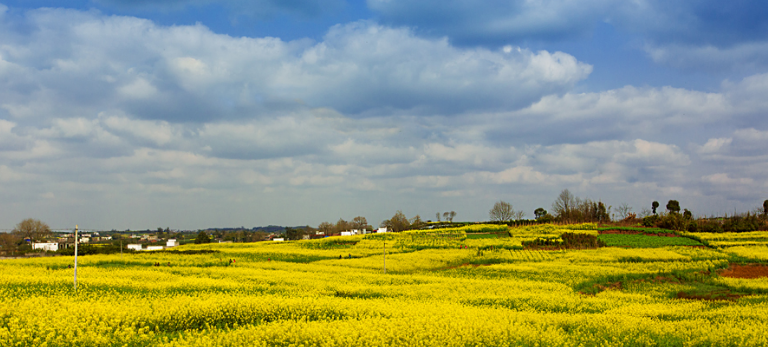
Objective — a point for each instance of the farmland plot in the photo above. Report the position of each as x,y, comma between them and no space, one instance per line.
437,290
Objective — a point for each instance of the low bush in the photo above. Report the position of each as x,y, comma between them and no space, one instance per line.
574,240
673,221
750,222
706,226
650,221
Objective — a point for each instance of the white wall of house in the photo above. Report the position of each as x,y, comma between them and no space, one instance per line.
46,246
171,243
382,230
135,247
154,248
279,239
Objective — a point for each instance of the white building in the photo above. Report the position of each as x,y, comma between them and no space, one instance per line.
154,248
135,247
46,246
171,243
278,239
382,230
85,239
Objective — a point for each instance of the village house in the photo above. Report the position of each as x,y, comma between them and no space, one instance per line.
46,246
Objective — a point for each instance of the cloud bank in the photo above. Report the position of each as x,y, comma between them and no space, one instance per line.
126,123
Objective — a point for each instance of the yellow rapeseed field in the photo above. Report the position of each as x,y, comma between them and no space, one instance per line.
439,289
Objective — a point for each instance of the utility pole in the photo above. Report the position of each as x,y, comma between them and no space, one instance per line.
76,257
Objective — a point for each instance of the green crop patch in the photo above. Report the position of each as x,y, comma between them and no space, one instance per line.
638,240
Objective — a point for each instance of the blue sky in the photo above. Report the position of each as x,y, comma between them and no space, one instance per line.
196,113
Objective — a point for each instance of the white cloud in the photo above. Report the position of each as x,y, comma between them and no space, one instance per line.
180,121
724,179
709,57
190,73
715,145
683,34
138,89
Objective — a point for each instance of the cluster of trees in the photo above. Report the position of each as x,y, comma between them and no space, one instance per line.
357,223
566,208
673,219
234,235
400,222
28,229
448,216
570,208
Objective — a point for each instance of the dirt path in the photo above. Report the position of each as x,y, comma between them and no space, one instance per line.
745,271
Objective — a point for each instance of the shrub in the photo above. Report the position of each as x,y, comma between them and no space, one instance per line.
650,221
750,222
707,226
574,240
674,221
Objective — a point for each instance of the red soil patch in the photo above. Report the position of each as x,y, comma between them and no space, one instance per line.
745,271
635,232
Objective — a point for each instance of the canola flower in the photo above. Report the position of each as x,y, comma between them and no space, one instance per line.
302,293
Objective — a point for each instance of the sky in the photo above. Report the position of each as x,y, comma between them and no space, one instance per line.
188,114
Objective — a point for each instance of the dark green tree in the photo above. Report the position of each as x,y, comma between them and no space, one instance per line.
294,233
687,214
765,207
654,206
202,237
539,212
602,212
673,206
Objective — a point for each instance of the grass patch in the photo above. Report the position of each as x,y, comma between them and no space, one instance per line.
653,231
645,241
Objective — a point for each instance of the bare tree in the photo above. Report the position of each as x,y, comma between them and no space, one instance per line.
360,223
623,210
398,222
416,222
32,229
518,215
501,211
341,225
564,204
8,243
449,216
438,216
325,227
